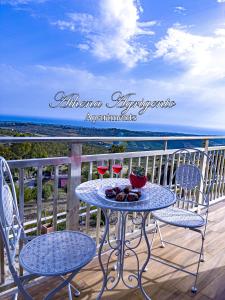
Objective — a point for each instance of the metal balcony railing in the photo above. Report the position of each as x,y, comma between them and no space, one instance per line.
81,167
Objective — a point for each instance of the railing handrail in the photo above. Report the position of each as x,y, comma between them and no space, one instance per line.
83,139
55,161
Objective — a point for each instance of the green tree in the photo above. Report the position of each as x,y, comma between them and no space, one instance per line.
118,148
47,191
28,194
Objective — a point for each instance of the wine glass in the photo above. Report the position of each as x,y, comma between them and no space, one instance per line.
117,168
102,167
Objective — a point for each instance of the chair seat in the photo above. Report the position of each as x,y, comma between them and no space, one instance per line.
179,217
57,253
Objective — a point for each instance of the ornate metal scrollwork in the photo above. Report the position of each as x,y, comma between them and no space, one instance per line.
121,249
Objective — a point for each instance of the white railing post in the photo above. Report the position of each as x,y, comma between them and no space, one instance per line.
203,168
74,179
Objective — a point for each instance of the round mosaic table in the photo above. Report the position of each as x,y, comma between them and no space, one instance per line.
156,197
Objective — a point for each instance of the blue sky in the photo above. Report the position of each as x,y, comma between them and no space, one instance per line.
156,49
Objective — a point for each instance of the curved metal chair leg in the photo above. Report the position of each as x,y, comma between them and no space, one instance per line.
194,288
151,246
69,292
76,291
61,286
203,254
160,235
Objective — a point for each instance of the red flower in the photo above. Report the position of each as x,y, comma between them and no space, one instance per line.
137,181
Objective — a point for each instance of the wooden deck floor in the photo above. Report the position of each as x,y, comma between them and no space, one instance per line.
162,282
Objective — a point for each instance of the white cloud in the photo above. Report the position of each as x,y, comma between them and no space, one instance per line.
83,46
180,10
202,57
220,1
114,33
64,25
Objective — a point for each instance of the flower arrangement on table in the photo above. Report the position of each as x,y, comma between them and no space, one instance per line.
137,177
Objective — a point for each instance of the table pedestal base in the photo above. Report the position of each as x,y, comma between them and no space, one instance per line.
122,249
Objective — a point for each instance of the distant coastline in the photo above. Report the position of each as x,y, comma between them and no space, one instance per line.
118,125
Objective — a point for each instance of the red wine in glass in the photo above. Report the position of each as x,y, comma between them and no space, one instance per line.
102,170
117,168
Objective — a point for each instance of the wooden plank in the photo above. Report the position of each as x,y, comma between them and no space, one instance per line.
160,282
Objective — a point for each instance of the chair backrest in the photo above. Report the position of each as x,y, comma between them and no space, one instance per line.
194,175
10,225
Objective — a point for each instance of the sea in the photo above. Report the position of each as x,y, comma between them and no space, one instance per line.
134,126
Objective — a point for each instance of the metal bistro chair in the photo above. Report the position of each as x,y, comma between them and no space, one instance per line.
192,191
54,254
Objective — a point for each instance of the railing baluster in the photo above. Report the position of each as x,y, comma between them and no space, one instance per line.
55,196
21,194
139,161
74,179
90,174
210,177
165,170
146,166
218,174
112,162
203,169
175,189
216,181
182,190
130,163
121,173
223,175
159,169
39,199
153,170
193,193
171,171
21,208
